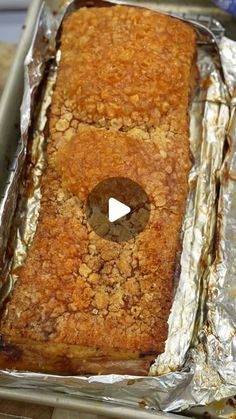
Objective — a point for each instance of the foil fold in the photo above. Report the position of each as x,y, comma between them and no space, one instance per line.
199,362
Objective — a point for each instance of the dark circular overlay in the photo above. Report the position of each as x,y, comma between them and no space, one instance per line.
129,193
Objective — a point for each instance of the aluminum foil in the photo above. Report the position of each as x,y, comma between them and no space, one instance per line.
199,362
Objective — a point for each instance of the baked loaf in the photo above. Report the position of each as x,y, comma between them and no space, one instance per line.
120,108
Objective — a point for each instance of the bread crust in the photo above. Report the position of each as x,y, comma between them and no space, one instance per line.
120,108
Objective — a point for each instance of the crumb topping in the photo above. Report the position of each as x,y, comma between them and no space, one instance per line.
119,109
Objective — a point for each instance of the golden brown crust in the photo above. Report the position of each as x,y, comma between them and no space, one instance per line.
76,289
99,154
131,68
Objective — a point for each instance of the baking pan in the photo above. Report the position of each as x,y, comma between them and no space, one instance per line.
9,136
10,110
109,410
11,99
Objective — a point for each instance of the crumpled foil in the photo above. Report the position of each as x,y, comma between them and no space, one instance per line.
199,362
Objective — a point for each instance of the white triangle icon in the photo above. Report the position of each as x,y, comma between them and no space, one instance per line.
116,209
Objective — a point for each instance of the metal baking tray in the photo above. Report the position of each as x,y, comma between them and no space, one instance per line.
11,100
9,139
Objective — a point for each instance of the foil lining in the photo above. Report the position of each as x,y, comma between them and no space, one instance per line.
199,362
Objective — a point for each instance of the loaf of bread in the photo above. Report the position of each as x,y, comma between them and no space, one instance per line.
82,304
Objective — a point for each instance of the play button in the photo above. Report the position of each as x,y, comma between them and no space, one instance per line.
117,209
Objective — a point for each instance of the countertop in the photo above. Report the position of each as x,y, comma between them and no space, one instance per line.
6,56
11,22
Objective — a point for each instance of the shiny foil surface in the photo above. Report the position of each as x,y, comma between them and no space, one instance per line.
199,362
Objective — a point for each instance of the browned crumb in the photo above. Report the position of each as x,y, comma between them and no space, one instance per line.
99,154
103,286
86,303
131,68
